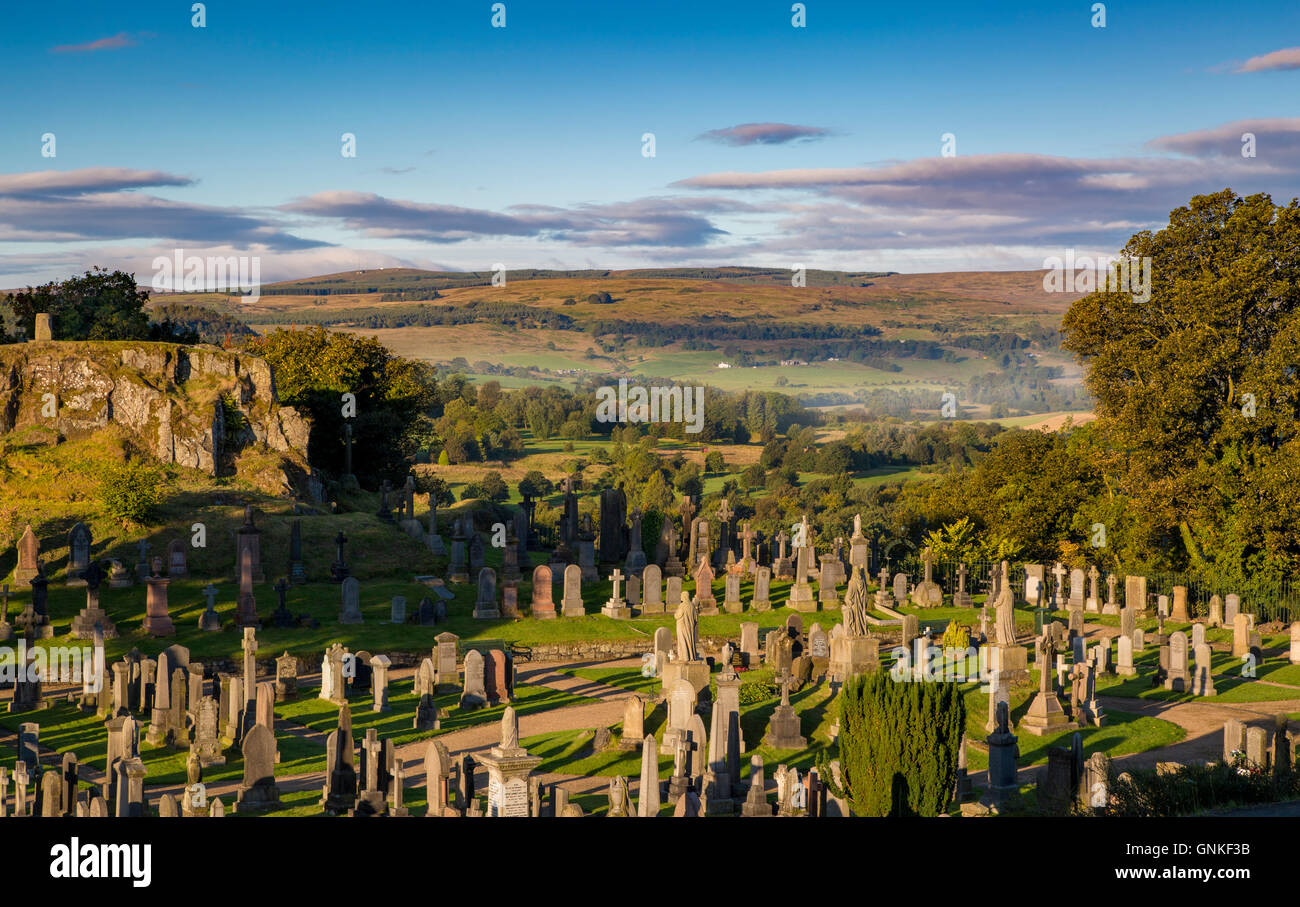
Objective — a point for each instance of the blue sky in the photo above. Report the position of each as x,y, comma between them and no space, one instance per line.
523,144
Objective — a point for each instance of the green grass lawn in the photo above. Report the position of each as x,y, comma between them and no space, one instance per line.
1121,732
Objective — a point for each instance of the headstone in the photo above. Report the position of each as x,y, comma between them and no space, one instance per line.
79,542
543,604
1179,678
350,612
485,605
474,693
571,604
652,598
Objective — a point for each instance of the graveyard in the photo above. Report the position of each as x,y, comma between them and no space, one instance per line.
385,656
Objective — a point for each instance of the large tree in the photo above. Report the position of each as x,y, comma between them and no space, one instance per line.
395,397
101,305
1197,390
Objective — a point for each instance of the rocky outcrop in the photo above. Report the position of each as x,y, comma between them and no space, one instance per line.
196,406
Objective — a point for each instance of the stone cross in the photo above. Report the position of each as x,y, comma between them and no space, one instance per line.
725,512
962,573
617,577
210,593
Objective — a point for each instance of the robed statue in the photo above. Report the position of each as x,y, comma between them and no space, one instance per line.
1005,606
855,605
688,634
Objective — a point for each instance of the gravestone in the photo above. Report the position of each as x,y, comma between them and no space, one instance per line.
79,542
571,604
474,694
1179,609
1179,678
749,644
1135,594
652,597
760,601
543,603
1202,678
485,605
731,602
350,612
444,661
176,562
29,552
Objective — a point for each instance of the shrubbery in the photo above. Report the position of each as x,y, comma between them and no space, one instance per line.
131,491
898,745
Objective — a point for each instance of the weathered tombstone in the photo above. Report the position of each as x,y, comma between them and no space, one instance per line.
485,605
1240,635
731,602
398,614
1179,609
749,643
1202,678
79,542
543,603
444,661
29,552
379,665
1179,678
761,600
1125,667
474,693
496,676
652,599
1135,593
633,722
350,612
571,604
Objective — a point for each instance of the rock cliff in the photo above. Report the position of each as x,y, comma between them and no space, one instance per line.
196,406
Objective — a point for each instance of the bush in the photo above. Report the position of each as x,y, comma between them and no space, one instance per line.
898,744
130,492
752,692
1195,788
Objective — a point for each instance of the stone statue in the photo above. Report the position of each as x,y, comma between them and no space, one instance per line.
1005,606
687,631
855,605
193,769
509,729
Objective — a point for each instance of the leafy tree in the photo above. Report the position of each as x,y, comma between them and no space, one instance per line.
714,462
535,485
101,305
1198,396
395,397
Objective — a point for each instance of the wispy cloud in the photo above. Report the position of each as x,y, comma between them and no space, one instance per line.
103,203
1286,58
764,134
1277,141
115,42
661,221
